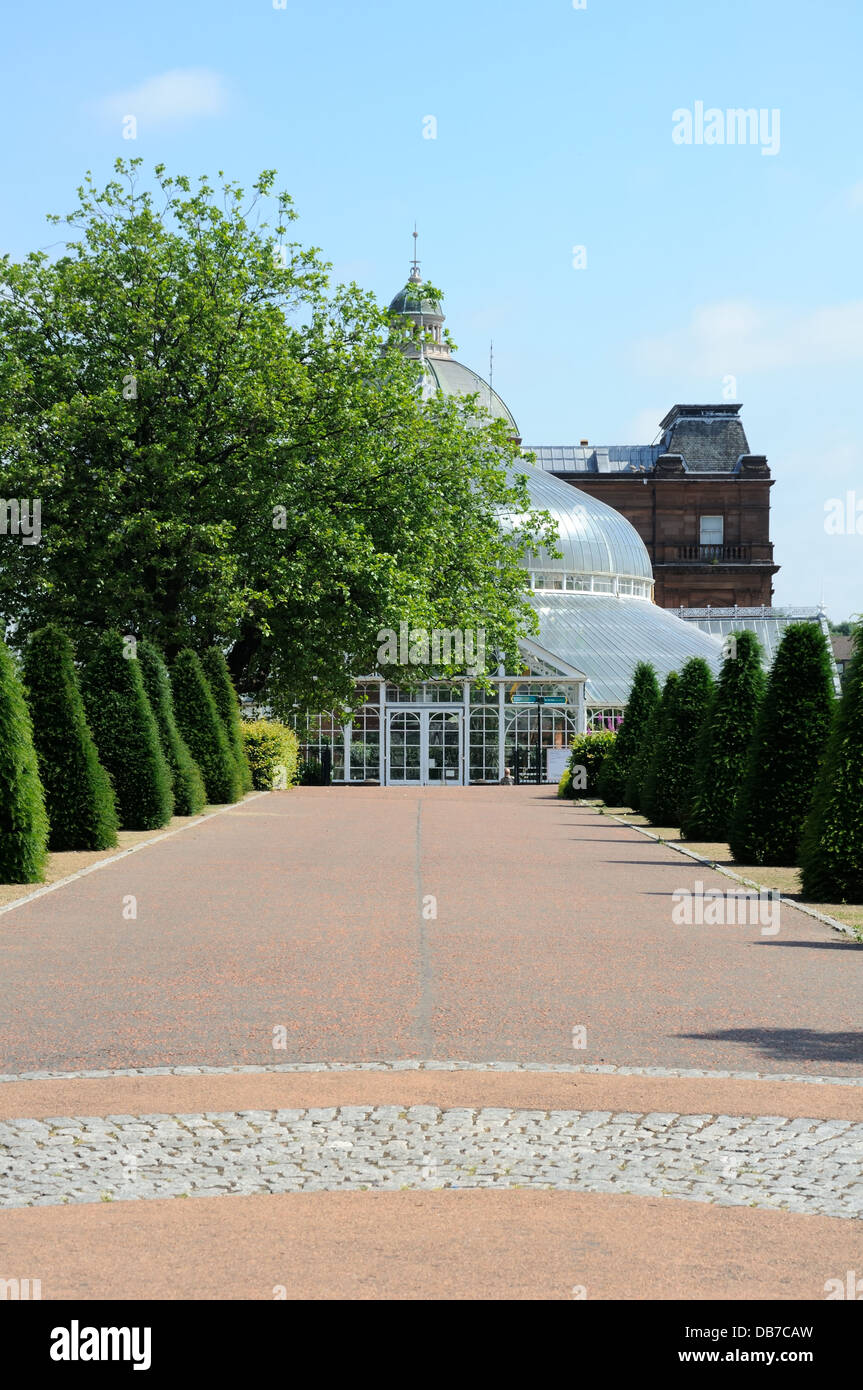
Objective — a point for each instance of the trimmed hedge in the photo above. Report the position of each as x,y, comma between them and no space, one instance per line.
636,782
127,737
618,766
725,739
199,723
564,786
272,751
23,819
786,750
215,668
588,754
678,744
186,779
664,718
831,848
79,798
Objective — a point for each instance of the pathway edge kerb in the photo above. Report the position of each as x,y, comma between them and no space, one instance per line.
399,1065
124,853
729,873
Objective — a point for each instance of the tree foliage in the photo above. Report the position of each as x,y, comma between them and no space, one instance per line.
23,821
618,766
79,797
186,780
126,735
245,449
786,750
199,722
831,851
725,739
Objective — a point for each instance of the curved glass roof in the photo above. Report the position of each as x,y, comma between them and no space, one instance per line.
455,379
606,637
593,537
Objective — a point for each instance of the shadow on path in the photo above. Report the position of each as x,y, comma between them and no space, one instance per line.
792,1044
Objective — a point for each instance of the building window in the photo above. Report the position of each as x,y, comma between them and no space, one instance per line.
712,528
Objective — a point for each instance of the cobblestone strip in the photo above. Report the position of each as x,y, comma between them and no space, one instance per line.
411,1065
800,1165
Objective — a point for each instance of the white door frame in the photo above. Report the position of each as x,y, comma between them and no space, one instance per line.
425,715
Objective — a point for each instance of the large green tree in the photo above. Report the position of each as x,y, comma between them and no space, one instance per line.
725,739
246,450
831,850
787,748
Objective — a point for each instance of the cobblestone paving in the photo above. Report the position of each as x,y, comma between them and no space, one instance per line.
801,1165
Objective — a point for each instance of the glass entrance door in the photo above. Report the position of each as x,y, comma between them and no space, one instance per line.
424,747
443,758
404,747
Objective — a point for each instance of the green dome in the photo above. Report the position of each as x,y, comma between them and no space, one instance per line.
410,301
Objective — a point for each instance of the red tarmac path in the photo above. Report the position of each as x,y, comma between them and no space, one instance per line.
305,910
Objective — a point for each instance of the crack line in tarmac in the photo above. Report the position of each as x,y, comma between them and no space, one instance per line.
424,1009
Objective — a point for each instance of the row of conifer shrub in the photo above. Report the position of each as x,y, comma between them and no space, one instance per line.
120,743
769,763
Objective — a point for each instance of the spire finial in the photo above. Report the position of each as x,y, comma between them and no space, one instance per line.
415,265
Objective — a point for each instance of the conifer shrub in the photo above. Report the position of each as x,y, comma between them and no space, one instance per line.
831,848
651,770
79,798
636,782
588,754
199,723
187,782
126,735
216,670
23,819
272,751
725,739
618,766
679,744
786,750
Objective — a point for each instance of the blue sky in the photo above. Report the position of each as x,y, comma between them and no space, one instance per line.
554,130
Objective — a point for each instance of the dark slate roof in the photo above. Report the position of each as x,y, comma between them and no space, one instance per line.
709,438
